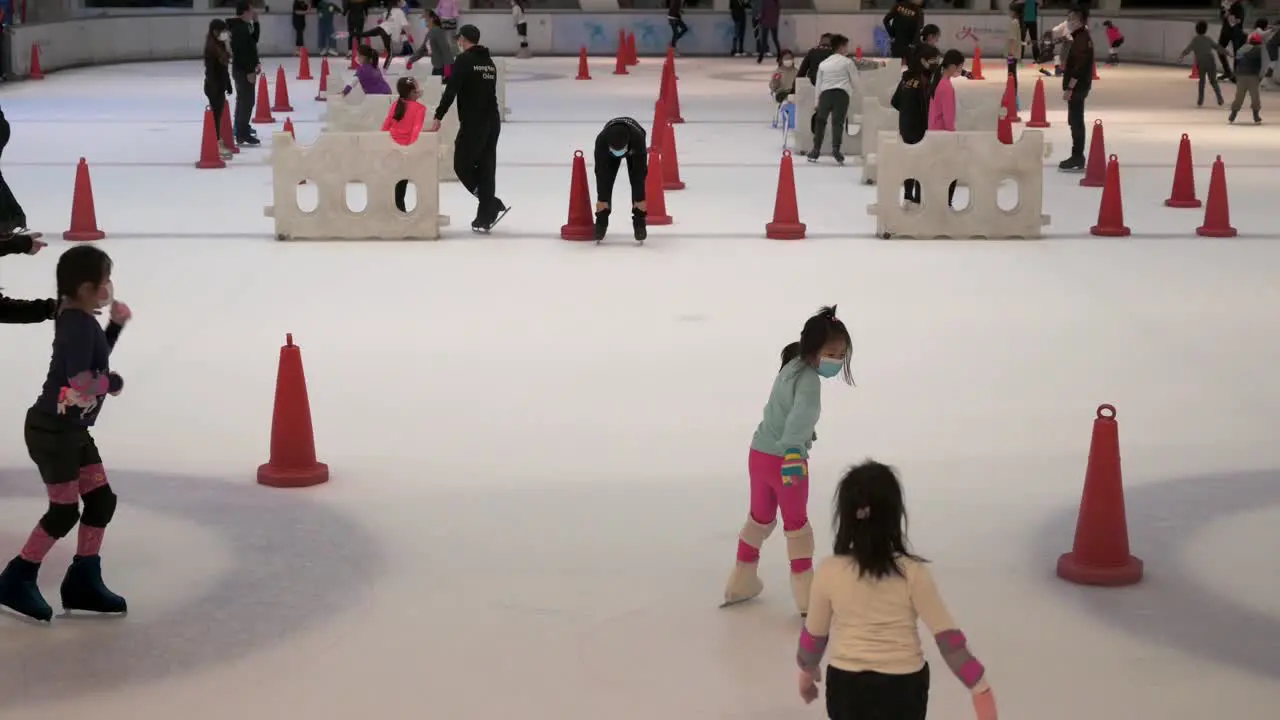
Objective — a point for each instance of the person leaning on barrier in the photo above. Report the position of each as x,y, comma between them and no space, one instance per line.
621,138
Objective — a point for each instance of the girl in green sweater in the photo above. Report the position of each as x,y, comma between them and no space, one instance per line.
778,462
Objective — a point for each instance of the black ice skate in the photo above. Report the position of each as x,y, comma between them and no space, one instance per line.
602,224
485,226
1072,164
838,157
19,593
83,589
1232,117
812,156
1257,118
638,223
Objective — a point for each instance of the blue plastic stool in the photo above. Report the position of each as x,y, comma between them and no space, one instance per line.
880,38
787,113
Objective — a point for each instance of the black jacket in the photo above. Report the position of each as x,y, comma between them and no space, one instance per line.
738,9
1077,69
812,59
244,45
474,83
217,74
904,21
23,311
911,100
607,164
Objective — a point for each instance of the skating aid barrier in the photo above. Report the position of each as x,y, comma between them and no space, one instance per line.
372,158
877,82
976,159
360,113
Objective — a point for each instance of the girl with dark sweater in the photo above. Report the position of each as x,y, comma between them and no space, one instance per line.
911,100
217,77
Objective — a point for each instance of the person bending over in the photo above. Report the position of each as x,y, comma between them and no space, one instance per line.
621,138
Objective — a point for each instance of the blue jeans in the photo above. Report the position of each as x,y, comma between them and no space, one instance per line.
324,29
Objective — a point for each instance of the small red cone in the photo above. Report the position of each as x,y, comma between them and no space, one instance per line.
262,108
1217,210
227,131
786,223
288,127
304,65
1100,554
670,162
581,225
1111,210
36,72
209,157
1195,71
976,73
1184,179
655,197
1038,118
669,91
1095,171
1004,130
584,71
323,94
293,444
671,57
620,60
84,219
1095,72
633,58
661,124
857,53
1010,100
282,93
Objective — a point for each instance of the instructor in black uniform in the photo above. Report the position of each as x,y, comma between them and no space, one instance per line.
622,137
473,82
903,22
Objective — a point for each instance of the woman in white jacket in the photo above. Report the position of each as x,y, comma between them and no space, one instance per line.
391,27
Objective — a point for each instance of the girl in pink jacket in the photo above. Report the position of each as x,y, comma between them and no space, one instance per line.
942,104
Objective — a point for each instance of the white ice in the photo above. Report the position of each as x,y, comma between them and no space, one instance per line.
538,447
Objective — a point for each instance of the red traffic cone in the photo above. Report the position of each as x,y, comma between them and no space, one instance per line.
262,108
282,93
786,223
84,219
1111,210
1095,172
1010,100
1095,72
36,73
227,131
655,197
1184,179
581,225
620,59
304,65
288,127
976,73
209,157
1100,553
661,124
323,94
1004,130
857,53
669,91
293,444
633,58
584,72
1217,210
1038,119
1195,71
355,59
671,58
670,163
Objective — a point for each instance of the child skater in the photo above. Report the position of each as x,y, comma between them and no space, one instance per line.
911,100
389,29
522,27
863,610
24,312
300,8
368,75
404,121
778,464
621,137
942,103
1205,50
1115,39
58,440
437,45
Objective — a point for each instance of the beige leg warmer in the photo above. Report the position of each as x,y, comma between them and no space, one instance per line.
800,547
744,583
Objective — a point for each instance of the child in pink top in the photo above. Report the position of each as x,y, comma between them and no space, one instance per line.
404,122
1115,39
942,105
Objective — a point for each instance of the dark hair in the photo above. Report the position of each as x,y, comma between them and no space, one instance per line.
79,265
369,54
1202,27
929,31
242,7
918,57
870,519
839,41
213,47
952,58
1106,23
817,332
1080,11
433,18
1261,24
404,88
825,39
618,136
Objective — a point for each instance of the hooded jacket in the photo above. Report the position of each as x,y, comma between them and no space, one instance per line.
473,83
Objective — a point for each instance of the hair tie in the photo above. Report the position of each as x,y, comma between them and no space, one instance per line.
862,513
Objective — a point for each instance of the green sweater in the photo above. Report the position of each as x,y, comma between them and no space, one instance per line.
792,412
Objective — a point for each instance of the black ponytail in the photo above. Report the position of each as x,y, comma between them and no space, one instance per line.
400,108
404,88
789,353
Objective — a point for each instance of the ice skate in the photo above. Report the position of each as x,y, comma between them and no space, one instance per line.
83,589
744,583
812,156
224,152
1232,117
19,592
1072,164
638,224
800,547
602,224
838,157
1257,117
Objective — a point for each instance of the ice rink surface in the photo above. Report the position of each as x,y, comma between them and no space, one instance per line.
538,447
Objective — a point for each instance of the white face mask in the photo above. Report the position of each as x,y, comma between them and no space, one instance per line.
110,296
224,36
789,63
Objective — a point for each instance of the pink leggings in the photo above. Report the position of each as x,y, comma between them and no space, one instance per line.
768,496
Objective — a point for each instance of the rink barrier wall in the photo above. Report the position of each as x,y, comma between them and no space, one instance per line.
122,36
976,159
336,159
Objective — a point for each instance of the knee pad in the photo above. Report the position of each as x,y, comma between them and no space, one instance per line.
754,533
59,519
99,507
799,541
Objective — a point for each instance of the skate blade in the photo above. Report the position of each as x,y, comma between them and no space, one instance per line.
8,612
88,615
732,603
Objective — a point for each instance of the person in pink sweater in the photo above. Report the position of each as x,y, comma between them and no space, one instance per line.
404,122
942,103
1115,39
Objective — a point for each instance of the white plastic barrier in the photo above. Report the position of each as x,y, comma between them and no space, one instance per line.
977,159
358,112
337,159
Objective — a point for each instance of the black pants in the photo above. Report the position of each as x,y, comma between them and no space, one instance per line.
475,161
678,29
217,103
1210,77
299,26
1075,119
355,27
762,43
62,451
607,166
1031,29
911,190
244,104
522,29
898,50
833,104
402,188
12,215
386,39
876,696
739,35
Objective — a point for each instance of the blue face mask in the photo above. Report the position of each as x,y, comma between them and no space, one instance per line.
830,367
618,153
